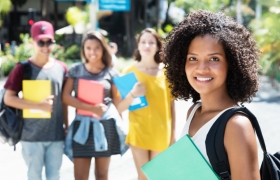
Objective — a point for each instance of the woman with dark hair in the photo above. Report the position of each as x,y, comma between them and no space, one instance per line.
151,128
213,60
88,136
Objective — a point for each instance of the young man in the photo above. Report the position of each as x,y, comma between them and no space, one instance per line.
42,139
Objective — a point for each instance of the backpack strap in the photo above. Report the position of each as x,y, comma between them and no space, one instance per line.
26,69
215,141
27,76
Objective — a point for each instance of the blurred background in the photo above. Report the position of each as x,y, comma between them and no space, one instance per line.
121,20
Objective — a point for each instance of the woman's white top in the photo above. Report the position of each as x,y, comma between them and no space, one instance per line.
200,136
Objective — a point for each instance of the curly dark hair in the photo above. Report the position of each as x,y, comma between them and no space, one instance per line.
240,48
96,35
158,57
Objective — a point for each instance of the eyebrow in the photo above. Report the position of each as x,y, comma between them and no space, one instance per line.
216,53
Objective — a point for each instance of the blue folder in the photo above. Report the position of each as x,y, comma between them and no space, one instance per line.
125,84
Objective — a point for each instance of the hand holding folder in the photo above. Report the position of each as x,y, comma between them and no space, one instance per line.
36,91
91,92
180,161
125,84
47,104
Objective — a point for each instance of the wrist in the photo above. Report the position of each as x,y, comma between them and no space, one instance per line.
86,106
36,106
132,94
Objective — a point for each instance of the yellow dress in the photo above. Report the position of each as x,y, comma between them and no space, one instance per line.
150,127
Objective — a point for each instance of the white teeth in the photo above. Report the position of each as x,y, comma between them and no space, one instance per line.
204,79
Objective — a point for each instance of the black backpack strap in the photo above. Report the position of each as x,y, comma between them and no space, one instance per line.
215,141
2,93
26,69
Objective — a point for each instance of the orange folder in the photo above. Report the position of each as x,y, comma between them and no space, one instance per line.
91,92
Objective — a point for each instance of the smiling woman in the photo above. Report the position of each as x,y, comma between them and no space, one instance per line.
105,136
213,60
206,65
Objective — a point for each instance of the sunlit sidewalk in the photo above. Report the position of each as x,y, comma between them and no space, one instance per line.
12,166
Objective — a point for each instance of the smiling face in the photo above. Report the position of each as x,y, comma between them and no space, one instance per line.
93,50
147,45
43,48
206,65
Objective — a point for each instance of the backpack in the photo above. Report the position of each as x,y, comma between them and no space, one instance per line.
270,167
11,121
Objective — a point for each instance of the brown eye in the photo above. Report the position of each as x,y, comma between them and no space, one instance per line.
214,59
192,59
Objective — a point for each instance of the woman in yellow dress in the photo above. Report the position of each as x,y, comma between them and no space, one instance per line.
151,128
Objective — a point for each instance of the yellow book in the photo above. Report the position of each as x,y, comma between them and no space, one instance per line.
35,91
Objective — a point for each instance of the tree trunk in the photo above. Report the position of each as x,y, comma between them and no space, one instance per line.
239,18
258,9
145,13
44,10
130,18
55,14
127,32
157,15
14,27
166,16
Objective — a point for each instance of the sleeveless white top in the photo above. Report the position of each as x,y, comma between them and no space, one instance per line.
200,136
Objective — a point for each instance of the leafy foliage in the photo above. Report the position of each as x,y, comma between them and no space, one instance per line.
7,61
267,34
211,5
24,50
164,32
72,52
5,7
227,6
58,52
74,15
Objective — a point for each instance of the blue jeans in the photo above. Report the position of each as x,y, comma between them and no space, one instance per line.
39,154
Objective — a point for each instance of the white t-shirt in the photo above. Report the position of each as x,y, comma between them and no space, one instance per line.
200,136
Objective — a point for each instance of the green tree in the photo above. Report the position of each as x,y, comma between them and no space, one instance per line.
5,7
239,9
211,5
267,34
75,15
